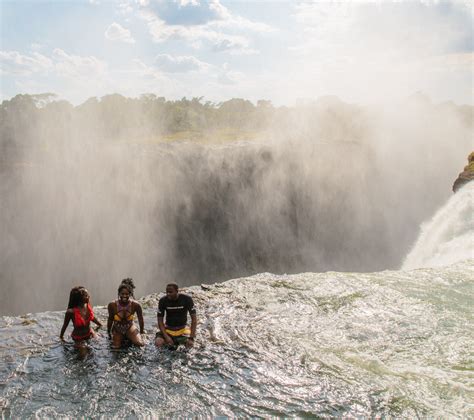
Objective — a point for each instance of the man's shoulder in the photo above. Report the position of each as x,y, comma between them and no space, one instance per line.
163,299
186,297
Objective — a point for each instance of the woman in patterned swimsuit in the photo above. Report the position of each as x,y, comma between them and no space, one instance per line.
122,312
79,311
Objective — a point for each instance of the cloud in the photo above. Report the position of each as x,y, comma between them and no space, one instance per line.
59,63
201,23
68,74
195,35
235,22
189,13
234,46
180,64
184,3
387,30
36,46
116,32
75,66
127,6
230,77
390,49
147,72
14,63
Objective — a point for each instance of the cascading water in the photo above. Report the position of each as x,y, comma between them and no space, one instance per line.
449,236
391,343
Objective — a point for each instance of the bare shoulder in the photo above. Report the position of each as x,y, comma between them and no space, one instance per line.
136,305
112,307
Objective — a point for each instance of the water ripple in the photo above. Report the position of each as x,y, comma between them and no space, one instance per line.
396,344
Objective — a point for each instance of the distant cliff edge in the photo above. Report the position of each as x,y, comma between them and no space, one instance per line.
466,175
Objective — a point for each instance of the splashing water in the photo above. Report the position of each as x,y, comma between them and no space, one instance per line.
393,343
449,236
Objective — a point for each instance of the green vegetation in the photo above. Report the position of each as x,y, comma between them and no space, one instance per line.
148,118
45,123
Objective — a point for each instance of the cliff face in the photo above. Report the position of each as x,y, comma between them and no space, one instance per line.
466,175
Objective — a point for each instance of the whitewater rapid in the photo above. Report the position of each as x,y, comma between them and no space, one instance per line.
449,236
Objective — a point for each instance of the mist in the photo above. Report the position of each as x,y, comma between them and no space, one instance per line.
95,193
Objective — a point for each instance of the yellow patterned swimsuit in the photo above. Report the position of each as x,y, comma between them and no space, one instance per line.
123,319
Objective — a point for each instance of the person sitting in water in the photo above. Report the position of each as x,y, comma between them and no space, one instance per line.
122,312
79,311
176,307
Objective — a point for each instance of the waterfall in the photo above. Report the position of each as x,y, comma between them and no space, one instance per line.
449,236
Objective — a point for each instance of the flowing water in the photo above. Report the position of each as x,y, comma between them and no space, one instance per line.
391,343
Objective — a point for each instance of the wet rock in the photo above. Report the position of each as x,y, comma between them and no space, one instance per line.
466,175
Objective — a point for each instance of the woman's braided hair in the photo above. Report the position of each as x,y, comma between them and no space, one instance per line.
77,297
127,284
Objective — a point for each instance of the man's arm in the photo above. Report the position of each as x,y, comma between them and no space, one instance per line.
161,326
193,325
192,313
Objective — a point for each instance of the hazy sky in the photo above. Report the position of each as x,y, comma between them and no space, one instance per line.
277,50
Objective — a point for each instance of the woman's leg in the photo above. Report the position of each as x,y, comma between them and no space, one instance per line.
116,340
159,341
134,336
81,347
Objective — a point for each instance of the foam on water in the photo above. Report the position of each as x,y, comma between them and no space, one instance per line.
393,343
449,236
334,344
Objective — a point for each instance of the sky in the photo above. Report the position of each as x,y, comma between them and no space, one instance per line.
283,51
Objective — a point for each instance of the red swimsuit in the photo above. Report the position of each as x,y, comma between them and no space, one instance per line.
78,321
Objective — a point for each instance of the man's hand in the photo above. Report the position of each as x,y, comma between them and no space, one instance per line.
189,342
169,340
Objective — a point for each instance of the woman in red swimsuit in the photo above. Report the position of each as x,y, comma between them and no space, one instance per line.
80,312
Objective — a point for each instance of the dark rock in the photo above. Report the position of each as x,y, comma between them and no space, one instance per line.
466,175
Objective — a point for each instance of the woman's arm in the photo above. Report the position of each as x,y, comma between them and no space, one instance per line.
96,322
141,322
110,319
67,318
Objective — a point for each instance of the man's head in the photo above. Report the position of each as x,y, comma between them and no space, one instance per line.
172,291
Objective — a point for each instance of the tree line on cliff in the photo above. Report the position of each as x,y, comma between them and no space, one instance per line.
26,118
37,120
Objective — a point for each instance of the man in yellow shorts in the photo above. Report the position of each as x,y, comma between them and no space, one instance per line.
176,306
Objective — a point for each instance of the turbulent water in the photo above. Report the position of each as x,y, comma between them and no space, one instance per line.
391,343
448,236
